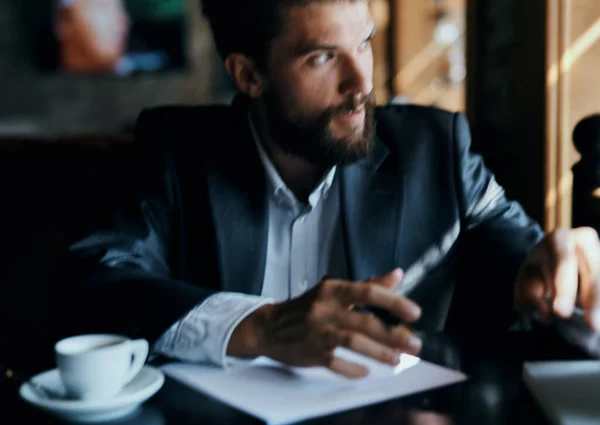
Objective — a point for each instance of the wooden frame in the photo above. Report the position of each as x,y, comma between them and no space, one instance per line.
419,62
558,157
381,12
572,93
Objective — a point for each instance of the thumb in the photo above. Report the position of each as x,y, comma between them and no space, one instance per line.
389,281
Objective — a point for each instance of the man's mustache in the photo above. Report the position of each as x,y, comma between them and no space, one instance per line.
353,103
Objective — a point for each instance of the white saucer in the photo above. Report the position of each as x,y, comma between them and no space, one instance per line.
140,389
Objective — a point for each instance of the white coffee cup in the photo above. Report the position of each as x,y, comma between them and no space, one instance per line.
98,366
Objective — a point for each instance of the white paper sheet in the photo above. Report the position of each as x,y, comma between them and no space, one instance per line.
279,394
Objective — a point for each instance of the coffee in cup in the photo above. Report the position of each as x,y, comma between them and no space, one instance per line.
98,366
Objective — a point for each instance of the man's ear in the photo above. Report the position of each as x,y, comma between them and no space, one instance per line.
245,75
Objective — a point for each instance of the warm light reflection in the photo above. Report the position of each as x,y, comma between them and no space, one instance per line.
406,362
380,12
562,189
574,52
419,64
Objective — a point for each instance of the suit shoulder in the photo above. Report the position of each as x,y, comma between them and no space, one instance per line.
409,123
182,114
413,112
409,127
163,131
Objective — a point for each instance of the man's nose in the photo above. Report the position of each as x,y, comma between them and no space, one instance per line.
356,78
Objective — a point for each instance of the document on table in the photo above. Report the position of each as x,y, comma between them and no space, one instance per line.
280,394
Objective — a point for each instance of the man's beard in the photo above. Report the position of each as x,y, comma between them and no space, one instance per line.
312,139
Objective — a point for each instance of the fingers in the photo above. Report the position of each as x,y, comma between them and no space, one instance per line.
533,294
389,281
589,293
564,270
362,333
377,296
586,281
347,369
587,240
588,253
565,277
364,345
397,338
535,289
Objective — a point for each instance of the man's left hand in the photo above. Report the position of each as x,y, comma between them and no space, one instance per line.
562,272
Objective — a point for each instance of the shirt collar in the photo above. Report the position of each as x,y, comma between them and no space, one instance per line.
277,185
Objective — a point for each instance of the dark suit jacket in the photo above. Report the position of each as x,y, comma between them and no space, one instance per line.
197,222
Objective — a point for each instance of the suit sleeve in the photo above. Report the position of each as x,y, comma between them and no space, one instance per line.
120,274
497,237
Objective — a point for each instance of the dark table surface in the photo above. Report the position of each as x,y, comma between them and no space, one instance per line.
493,394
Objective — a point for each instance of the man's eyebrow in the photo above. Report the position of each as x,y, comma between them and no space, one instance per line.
309,47
302,50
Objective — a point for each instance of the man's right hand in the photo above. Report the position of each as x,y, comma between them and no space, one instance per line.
305,331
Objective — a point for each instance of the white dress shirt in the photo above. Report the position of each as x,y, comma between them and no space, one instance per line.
304,244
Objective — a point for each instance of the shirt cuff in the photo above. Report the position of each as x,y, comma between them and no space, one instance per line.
231,361
204,333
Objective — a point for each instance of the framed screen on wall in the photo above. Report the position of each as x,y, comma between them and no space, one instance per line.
111,37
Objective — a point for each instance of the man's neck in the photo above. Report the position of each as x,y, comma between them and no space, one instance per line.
299,175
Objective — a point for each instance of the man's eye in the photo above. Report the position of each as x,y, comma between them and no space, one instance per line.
321,59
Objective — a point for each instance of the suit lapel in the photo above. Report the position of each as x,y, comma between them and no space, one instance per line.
236,186
372,201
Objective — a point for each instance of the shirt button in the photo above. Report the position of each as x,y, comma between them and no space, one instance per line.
303,285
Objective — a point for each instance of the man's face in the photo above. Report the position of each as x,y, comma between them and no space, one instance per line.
318,99
99,28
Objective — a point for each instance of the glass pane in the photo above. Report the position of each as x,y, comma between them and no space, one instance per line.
429,53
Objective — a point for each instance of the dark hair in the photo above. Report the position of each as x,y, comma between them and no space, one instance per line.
248,26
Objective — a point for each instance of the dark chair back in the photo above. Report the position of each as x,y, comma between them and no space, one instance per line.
52,194
586,173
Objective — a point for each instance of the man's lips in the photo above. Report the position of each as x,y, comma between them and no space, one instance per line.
354,116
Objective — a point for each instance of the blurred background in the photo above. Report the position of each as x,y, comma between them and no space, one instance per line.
120,37
75,74
524,72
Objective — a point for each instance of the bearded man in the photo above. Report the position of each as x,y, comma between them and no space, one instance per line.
303,217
